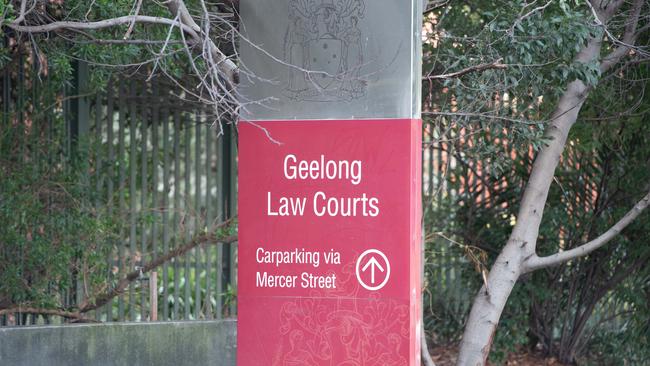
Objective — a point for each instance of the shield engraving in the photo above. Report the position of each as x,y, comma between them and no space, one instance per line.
325,56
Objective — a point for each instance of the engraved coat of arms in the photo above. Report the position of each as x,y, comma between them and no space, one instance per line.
324,50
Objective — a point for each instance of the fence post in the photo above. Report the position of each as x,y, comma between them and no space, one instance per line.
229,202
77,119
78,105
153,297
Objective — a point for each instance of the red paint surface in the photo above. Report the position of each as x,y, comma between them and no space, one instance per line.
347,325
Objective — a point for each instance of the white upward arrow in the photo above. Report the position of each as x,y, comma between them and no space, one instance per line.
372,263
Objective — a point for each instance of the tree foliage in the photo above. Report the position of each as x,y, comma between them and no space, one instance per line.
53,234
489,121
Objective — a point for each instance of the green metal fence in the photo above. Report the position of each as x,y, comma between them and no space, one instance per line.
158,164
450,280
172,176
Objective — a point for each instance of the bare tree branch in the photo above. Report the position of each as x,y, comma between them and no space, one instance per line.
432,5
136,12
535,262
226,65
106,23
21,15
626,43
511,30
218,235
176,7
56,312
605,9
123,283
23,11
488,115
145,42
496,64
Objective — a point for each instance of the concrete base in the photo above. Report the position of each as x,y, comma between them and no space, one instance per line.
157,344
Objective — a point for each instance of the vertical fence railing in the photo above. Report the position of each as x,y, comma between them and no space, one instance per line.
448,275
169,186
157,164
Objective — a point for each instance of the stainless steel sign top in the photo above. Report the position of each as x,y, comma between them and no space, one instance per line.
330,59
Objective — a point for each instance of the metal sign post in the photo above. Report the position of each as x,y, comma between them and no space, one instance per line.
329,183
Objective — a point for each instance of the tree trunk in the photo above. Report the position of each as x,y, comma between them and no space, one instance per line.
509,265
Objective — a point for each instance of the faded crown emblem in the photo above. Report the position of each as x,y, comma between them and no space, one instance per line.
323,43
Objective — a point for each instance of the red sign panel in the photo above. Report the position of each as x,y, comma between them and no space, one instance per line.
329,243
